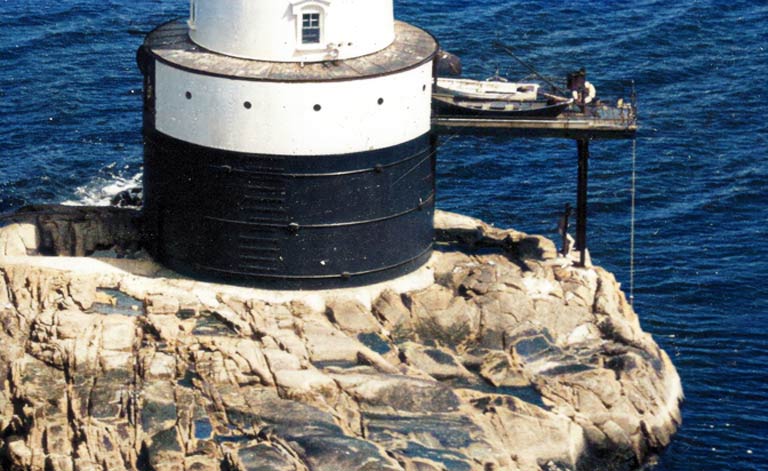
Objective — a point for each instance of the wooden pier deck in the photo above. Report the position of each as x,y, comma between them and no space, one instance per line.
606,122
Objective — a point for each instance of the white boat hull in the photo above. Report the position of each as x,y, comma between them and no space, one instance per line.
488,90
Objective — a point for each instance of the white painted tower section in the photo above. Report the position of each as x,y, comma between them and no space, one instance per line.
303,118
292,30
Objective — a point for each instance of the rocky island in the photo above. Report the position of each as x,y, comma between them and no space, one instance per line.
498,355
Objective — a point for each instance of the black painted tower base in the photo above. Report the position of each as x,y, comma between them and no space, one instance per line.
289,222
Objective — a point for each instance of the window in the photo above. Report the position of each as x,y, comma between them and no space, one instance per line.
310,28
311,18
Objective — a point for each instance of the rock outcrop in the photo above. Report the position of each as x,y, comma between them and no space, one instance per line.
499,355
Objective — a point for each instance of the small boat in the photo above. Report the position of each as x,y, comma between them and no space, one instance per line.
495,98
491,89
453,105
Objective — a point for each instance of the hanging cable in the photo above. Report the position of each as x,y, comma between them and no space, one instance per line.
632,225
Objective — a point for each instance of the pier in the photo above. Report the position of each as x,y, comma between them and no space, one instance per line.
605,122
582,124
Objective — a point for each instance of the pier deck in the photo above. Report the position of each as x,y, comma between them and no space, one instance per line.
606,122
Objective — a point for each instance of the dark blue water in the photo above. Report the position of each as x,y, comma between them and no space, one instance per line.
70,131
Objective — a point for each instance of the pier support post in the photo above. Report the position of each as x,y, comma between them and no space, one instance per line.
581,209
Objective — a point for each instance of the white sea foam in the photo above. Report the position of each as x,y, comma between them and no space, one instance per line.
100,190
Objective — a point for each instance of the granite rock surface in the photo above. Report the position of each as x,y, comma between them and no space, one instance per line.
508,358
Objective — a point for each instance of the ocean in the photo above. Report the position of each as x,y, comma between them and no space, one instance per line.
70,120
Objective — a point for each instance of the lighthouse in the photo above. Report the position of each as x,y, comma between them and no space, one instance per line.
287,143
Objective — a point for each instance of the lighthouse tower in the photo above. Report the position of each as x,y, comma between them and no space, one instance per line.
287,142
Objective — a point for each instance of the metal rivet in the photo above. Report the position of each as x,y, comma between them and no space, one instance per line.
293,228
378,168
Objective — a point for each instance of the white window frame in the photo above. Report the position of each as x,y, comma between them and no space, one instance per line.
305,7
313,16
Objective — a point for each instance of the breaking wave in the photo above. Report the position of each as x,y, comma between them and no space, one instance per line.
102,188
